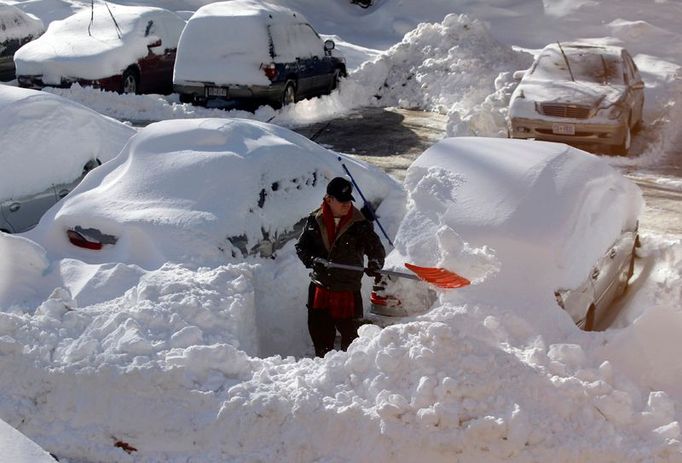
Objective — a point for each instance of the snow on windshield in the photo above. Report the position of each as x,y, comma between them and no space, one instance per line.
587,64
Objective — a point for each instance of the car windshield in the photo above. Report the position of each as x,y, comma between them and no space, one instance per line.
587,64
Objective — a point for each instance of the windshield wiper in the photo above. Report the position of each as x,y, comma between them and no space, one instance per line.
567,63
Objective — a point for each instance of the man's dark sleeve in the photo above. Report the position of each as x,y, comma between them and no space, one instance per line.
305,248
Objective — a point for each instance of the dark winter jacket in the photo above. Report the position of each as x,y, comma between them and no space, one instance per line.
353,241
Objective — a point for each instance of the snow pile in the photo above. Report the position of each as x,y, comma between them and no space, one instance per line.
78,48
46,140
444,67
15,24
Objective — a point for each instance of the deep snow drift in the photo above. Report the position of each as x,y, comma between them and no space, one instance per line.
113,352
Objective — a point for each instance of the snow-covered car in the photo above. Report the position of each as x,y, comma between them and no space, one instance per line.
129,49
49,144
559,226
247,51
16,29
585,95
201,190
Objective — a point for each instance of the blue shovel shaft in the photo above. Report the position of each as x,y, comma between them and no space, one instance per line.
365,201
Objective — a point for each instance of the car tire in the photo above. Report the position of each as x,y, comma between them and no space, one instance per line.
130,82
590,318
630,272
336,78
624,148
288,94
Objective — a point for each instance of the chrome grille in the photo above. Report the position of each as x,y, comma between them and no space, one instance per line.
560,110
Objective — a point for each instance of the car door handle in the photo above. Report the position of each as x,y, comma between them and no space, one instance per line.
595,274
14,207
62,193
612,253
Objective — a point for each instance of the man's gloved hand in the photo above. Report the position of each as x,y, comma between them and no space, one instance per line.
373,268
368,211
320,264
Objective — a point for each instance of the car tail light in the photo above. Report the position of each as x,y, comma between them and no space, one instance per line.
270,70
79,240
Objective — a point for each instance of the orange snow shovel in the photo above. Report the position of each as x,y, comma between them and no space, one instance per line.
438,277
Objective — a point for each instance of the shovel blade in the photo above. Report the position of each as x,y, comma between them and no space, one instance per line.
439,276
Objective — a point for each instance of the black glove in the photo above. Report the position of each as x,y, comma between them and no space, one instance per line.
368,211
373,268
320,265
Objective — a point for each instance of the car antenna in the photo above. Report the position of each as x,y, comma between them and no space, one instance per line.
566,59
606,69
92,17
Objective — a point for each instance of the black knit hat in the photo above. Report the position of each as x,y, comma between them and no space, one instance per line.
341,189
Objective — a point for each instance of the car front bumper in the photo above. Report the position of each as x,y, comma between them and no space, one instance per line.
584,133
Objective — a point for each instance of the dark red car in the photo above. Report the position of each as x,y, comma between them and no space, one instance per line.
127,49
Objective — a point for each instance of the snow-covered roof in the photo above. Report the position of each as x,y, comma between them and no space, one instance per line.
75,47
181,188
15,24
47,139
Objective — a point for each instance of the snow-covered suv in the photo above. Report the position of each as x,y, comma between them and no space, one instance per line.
244,50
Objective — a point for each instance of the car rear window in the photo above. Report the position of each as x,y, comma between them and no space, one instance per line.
293,41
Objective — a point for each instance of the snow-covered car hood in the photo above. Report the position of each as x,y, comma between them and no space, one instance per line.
46,139
567,92
76,48
183,188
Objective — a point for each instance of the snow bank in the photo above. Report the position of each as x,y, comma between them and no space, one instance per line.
47,140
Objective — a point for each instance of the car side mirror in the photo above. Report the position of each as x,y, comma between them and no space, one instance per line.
329,45
518,75
155,43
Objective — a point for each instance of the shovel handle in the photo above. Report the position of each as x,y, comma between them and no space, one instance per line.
383,272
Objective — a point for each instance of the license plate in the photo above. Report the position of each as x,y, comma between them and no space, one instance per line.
563,129
216,91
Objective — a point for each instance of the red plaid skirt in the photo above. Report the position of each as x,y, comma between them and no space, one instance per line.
340,304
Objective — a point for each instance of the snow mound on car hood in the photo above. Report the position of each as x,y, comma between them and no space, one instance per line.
186,189
47,139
